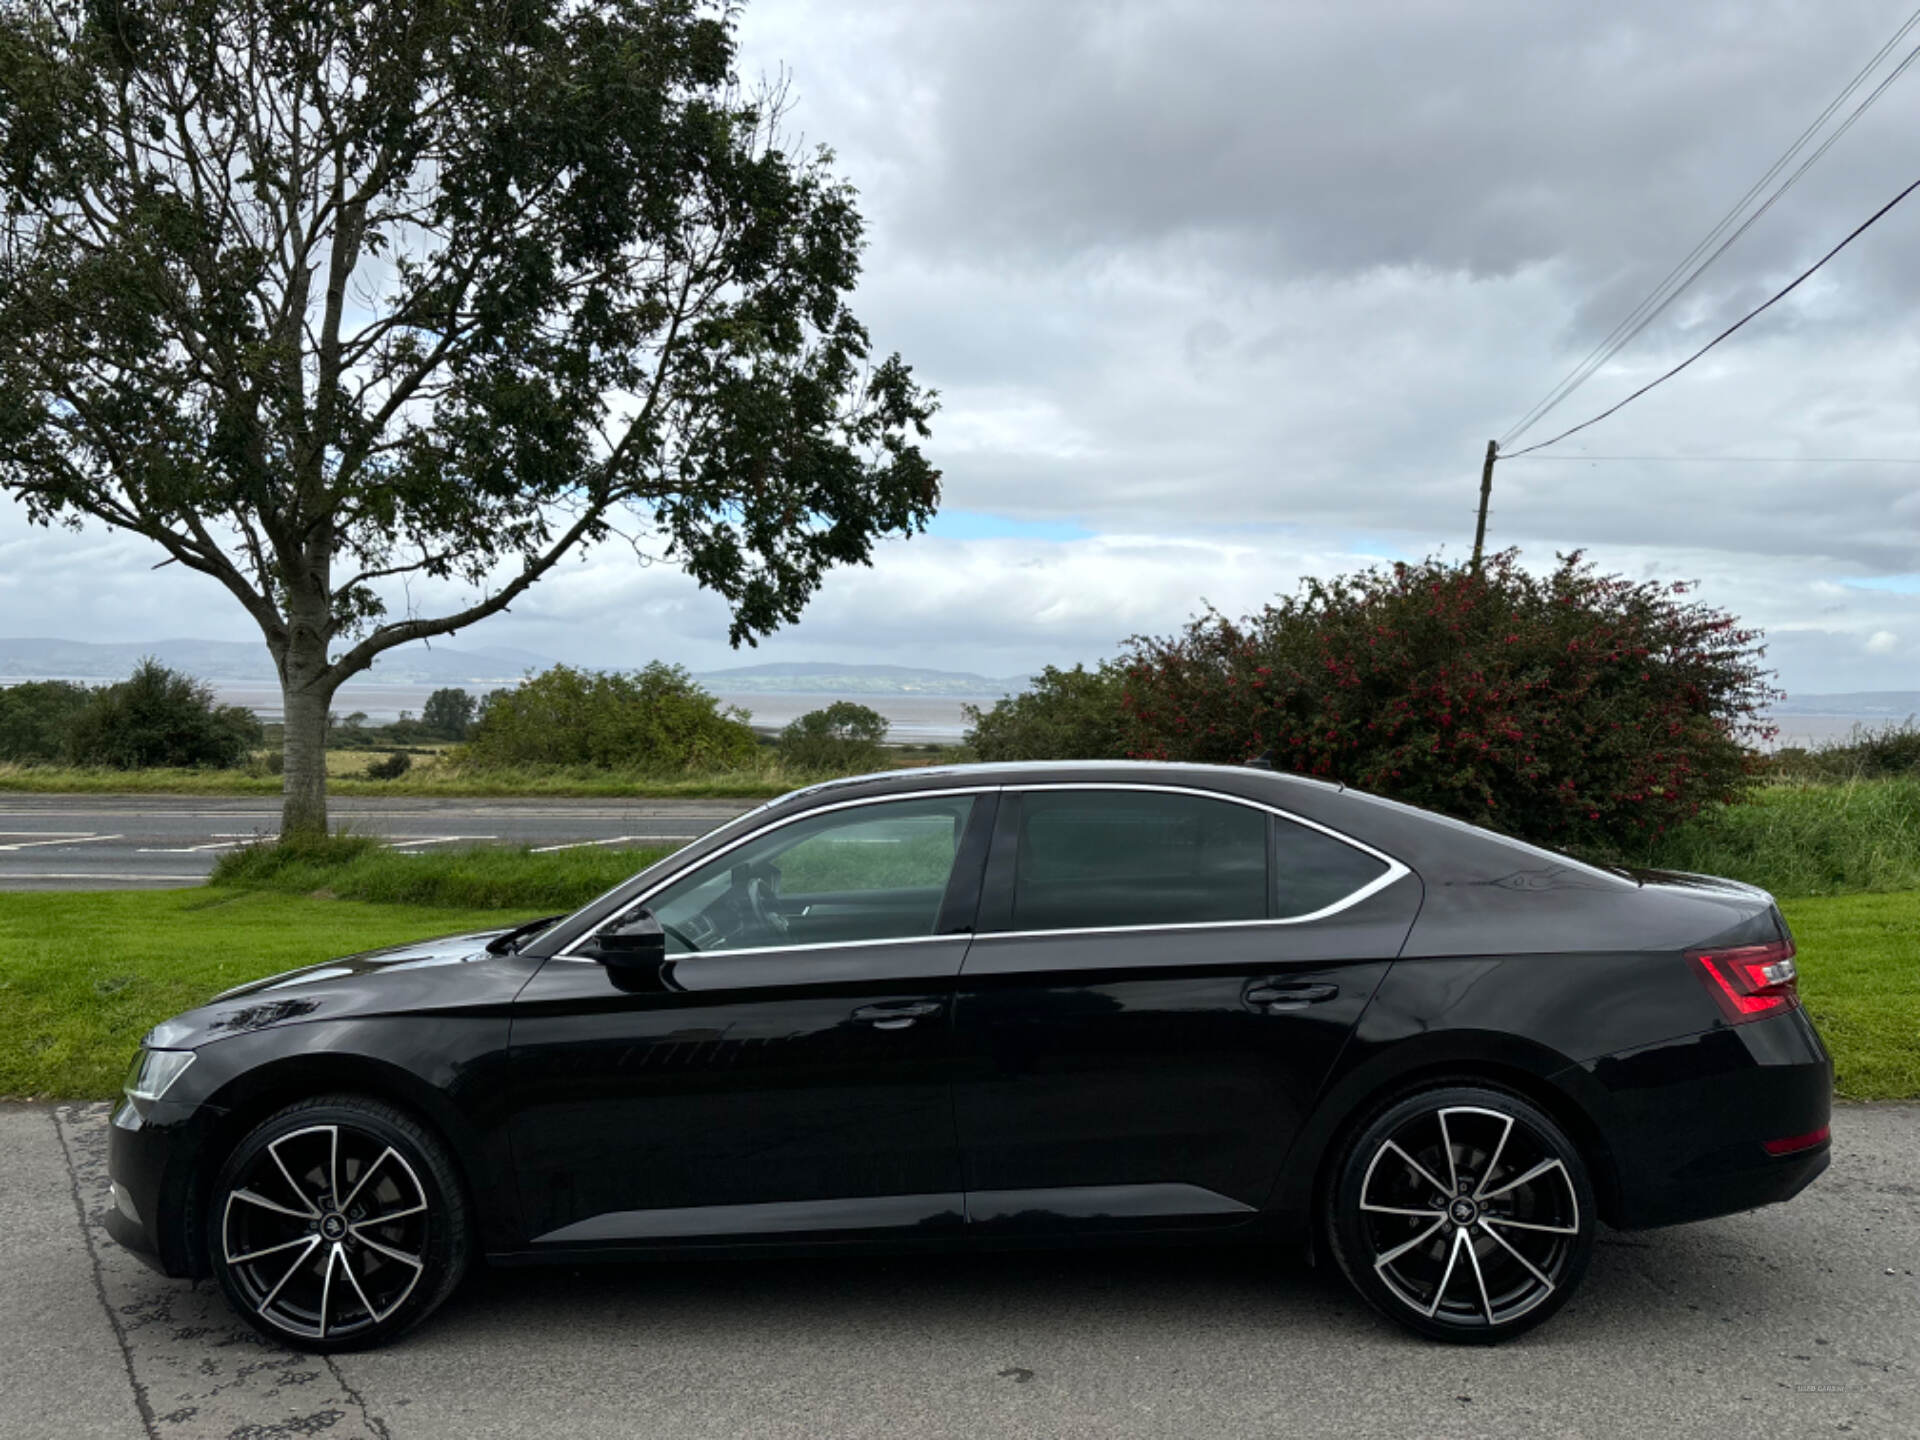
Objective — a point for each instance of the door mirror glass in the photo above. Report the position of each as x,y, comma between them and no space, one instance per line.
633,942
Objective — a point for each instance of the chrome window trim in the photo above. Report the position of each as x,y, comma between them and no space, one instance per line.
1394,872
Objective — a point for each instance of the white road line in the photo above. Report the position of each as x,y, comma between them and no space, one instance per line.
580,844
140,879
68,840
189,849
399,841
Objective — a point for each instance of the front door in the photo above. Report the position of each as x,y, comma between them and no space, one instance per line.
788,1073
1161,981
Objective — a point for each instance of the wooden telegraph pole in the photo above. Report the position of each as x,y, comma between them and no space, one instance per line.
1486,494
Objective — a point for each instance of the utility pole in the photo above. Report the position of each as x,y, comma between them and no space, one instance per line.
1486,494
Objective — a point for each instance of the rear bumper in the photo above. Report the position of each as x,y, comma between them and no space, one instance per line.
1687,1120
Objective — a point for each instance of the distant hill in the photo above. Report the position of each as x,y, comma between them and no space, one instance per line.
813,678
231,660
1855,704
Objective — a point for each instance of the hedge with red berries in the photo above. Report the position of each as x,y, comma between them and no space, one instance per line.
1573,708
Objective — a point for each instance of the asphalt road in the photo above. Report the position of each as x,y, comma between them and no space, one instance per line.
1802,1319
88,842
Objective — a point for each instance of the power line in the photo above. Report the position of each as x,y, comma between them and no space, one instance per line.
1657,300
1733,459
1758,310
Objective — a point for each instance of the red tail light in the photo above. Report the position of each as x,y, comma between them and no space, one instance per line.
1792,1144
1750,982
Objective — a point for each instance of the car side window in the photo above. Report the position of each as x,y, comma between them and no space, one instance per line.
1312,870
1088,859
869,872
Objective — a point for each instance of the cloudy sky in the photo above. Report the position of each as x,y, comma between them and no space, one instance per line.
1218,295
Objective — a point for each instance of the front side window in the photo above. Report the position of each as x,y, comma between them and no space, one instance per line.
869,872
1088,859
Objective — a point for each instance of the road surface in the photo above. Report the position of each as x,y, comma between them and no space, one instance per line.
90,842
1802,1319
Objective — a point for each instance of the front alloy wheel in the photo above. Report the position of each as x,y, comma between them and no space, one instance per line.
336,1224
1464,1213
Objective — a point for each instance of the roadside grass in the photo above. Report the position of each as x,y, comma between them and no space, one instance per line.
499,877
1860,981
83,976
1799,838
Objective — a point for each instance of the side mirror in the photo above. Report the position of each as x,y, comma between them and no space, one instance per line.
636,942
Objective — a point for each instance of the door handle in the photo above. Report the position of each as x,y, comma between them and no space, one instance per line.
897,1016
1279,996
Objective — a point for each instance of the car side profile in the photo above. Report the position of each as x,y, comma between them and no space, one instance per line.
1001,1005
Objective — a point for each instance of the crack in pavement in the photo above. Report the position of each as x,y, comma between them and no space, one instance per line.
196,1368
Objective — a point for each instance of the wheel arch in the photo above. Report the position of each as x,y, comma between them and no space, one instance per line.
1541,1076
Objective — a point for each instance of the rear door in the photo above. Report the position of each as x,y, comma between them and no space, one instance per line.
1161,980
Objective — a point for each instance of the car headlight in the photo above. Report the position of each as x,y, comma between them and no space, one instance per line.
153,1071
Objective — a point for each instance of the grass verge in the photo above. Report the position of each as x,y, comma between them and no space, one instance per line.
352,867
1860,981
83,976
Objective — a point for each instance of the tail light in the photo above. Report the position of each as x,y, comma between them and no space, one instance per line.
1750,982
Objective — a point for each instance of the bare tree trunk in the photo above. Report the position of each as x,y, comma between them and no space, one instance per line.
305,695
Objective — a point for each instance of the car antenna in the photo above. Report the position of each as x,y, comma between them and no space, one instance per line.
1262,761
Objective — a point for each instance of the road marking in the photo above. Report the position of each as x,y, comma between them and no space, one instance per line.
66,840
403,840
190,849
14,878
583,844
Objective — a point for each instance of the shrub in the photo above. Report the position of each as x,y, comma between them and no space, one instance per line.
35,716
160,717
844,737
391,768
1574,709
655,720
448,714
1882,752
1072,714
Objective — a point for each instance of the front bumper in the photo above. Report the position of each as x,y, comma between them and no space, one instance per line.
152,1162
1687,1120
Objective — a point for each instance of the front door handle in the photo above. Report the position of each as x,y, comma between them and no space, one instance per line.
896,1016
1279,996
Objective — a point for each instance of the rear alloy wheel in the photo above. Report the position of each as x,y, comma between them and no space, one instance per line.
337,1224
1464,1213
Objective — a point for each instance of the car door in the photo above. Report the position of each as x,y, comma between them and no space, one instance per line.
1161,981
787,1072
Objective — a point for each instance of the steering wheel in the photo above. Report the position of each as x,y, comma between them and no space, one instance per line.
760,899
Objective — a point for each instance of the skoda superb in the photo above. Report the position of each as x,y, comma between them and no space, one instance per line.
1001,1005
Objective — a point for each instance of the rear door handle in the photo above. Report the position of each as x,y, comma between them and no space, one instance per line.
896,1016
1279,996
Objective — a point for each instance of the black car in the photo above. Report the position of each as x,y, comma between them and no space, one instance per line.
1002,1005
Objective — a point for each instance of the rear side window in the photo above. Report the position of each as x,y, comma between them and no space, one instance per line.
1094,858
1312,871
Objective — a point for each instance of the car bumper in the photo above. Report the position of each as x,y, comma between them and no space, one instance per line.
151,1164
1688,1121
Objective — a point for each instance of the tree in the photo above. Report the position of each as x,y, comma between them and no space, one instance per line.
1064,715
333,301
35,717
843,736
1572,708
449,713
656,719
158,716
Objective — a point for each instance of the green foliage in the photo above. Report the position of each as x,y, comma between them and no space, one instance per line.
1572,708
35,717
1861,986
448,714
655,720
358,867
159,717
1868,753
1066,715
1803,839
391,768
844,737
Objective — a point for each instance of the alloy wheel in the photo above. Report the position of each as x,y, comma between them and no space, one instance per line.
325,1231
1470,1216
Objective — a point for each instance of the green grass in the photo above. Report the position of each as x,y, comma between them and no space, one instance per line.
352,867
1860,981
83,976
1807,839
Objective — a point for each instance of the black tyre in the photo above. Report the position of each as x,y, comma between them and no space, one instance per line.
1463,1212
337,1224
